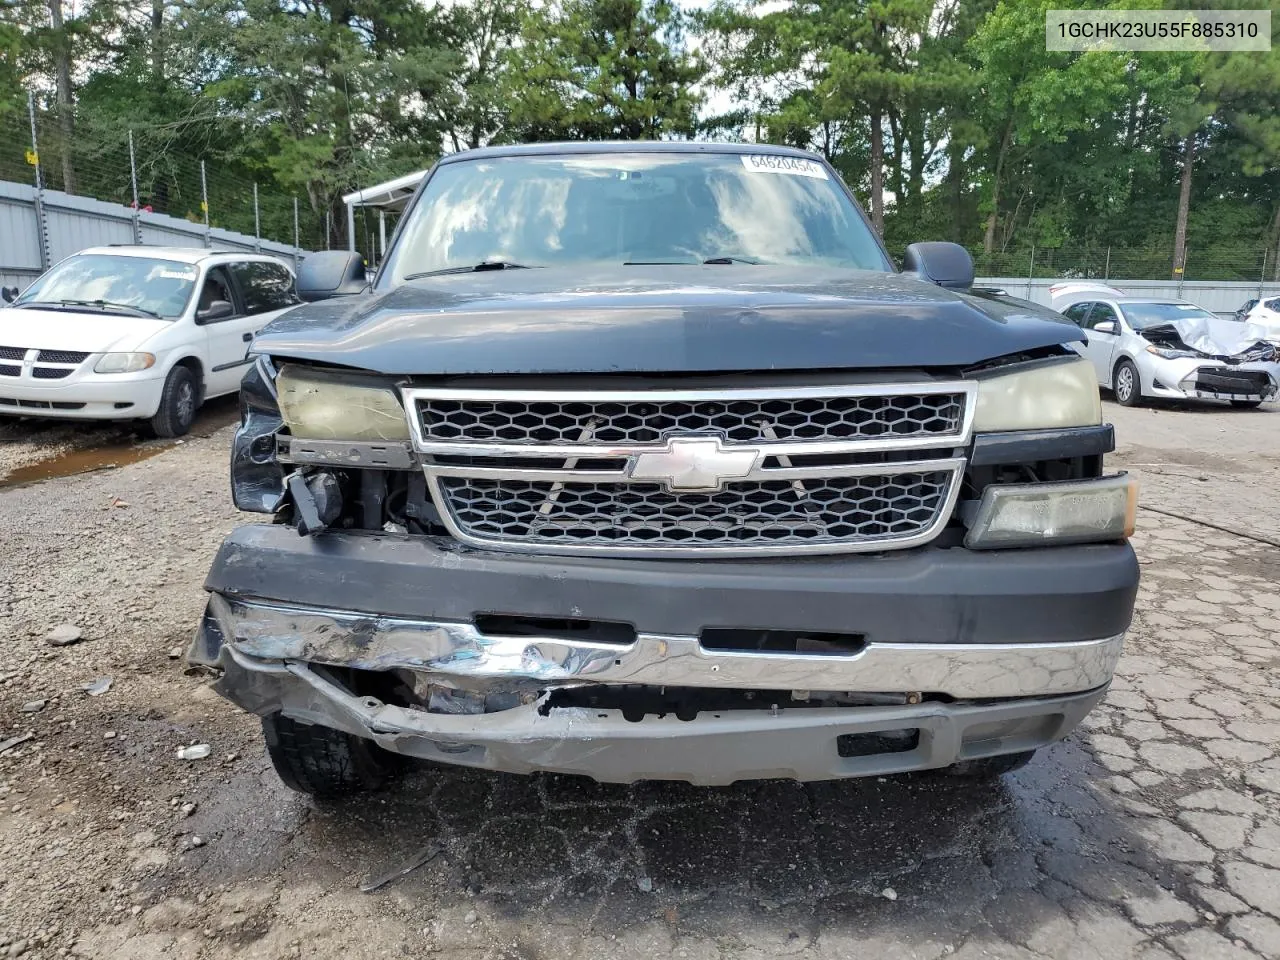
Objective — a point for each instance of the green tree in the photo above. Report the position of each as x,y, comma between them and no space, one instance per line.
602,69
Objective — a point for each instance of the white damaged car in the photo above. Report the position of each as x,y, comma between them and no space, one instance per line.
1162,348
136,333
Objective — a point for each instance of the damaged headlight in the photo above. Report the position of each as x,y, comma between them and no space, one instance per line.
330,405
1035,514
1040,397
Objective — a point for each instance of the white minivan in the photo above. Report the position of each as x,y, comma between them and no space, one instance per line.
137,333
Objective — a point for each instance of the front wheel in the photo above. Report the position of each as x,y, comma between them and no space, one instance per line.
178,403
325,763
1246,404
1127,385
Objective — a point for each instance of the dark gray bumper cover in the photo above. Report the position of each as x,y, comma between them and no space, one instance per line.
929,595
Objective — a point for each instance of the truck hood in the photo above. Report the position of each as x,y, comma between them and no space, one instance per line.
89,332
662,319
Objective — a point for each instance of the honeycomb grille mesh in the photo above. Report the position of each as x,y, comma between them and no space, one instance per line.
745,514
741,420
62,356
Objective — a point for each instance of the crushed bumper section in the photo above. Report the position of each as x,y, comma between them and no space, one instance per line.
273,659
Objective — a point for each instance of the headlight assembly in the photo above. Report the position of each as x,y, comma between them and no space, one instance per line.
1171,353
124,362
1037,514
328,405
1040,397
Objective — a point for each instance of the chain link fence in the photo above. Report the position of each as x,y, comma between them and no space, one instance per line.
143,172
1223,261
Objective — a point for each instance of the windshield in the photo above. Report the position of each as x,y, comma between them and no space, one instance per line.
633,208
160,287
1143,315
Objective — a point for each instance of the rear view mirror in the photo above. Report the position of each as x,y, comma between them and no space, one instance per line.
1106,326
946,264
10,294
332,273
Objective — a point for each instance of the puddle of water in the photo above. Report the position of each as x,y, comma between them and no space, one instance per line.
216,414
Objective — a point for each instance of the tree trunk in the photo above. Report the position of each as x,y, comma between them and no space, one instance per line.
989,240
877,172
955,186
1275,238
1184,204
157,43
62,71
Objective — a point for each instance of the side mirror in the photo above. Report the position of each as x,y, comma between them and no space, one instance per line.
10,294
946,264
1106,326
217,310
333,273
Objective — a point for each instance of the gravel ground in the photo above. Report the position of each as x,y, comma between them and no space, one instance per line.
1152,833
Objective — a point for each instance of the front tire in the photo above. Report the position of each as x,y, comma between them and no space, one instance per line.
1126,384
1246,404
179,401
324,763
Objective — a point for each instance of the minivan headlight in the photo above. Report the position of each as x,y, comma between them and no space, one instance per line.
124,362
326,405
1042,397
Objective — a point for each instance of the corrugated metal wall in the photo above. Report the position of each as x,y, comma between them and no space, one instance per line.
78,222
1222,297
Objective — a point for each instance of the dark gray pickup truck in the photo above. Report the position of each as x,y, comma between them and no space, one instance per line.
642,461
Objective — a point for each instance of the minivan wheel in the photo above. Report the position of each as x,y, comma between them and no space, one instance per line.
988,768
325,763
1126,384
178,404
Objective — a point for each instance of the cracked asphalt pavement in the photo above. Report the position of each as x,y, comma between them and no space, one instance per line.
1152,833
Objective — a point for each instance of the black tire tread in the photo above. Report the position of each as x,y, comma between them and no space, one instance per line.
165,422
1135,398
322,762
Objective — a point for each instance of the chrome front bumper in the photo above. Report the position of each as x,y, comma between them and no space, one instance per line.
268,654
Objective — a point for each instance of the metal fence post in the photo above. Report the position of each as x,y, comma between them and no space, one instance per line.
1262,277
42,226
1106,270
297,246
204,206
1031,270
326,229
133,179
257,223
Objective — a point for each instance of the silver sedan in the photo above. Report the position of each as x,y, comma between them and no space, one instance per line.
1150,348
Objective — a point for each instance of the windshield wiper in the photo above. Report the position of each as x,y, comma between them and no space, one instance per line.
690,263
103,305
480,267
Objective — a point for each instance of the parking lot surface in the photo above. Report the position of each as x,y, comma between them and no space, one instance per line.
1152,833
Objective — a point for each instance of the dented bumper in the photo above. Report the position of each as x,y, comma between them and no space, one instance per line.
1000,681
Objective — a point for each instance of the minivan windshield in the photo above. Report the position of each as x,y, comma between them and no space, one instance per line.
114,285
632,208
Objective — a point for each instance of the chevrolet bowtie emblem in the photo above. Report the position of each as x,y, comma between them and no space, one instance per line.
695,463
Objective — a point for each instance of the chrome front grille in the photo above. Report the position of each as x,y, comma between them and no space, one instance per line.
833,510
645,421
715,472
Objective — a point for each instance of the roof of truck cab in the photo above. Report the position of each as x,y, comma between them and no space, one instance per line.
624,146
179,254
